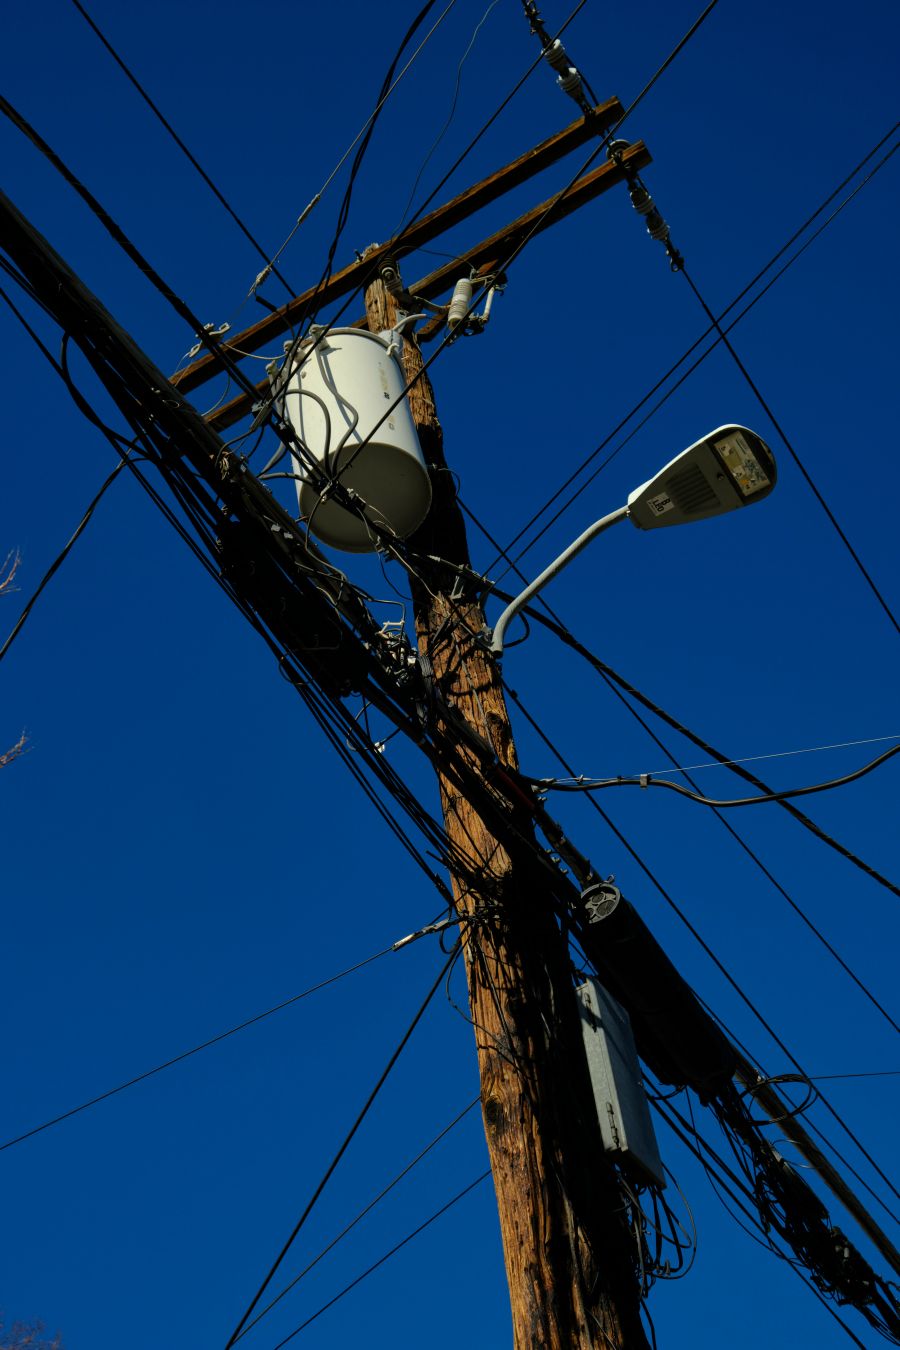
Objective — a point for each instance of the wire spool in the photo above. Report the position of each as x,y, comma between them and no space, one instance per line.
345,401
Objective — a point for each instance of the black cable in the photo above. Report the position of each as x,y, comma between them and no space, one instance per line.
60,558
765,1239
442,133
186,1054
552,204
792,452
181,145
647,780
344,209
546,504
118,234
613,679
682,916
380,1262
811,1125
361,1215
340,1153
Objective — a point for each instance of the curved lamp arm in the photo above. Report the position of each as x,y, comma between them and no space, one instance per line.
498,632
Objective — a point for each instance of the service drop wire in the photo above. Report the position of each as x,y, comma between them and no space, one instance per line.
647,780
329,1171
698,937
224,1035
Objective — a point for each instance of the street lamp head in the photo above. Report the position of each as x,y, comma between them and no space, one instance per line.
730,467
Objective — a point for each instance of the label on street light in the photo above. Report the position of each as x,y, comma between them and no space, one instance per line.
742,464
660,504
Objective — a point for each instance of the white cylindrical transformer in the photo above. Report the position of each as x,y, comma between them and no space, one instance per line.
340,388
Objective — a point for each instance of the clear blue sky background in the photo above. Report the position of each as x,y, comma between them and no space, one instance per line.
182,848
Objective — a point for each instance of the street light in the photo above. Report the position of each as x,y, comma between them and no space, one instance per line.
730,467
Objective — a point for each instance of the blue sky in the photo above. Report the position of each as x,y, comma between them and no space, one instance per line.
182,847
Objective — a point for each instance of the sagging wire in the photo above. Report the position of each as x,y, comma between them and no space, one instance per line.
720,966
620,687
388,86
645,780
444,129
812,1095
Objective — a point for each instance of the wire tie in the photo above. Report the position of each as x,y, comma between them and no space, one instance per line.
644,780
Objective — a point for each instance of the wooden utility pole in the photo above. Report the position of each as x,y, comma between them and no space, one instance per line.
570,1257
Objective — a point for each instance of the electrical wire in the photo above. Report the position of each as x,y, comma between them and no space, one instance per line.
548,502
445,128
194,1050
115,231
692,929
348,1138
180,143
361,1215
754,388
787,754
344,210
613,682
61,557
460,1195
387,88
704,1152
551,206
646,780
767,409
811,1125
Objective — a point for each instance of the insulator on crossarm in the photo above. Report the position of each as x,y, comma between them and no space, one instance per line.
657,227
460,304
640,199
556,57
570,84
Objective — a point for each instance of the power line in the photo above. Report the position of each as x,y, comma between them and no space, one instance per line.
789,754
443,131
678,265
329,1171
767,409
460,1195
616,685
213,1040
679,912
361,1215
647,780
546,504
518,248
388,87
704,1152
179,142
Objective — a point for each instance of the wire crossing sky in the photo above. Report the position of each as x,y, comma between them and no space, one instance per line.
182,841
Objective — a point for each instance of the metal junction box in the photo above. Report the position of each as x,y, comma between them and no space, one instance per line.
615,1073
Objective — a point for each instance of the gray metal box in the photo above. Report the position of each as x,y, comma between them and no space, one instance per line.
615,1073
